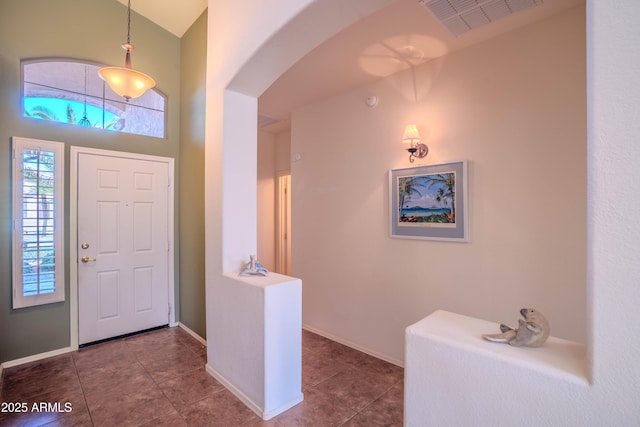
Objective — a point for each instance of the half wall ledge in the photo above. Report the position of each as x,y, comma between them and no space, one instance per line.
254,341
449,366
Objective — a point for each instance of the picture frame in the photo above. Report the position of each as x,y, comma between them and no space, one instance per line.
430,202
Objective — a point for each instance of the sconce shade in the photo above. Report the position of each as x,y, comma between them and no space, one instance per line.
416,149
411,135
126,82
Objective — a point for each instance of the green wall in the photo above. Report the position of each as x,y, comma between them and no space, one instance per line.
193,82
92,31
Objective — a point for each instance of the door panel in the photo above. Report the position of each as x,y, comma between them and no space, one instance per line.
123,265
108,284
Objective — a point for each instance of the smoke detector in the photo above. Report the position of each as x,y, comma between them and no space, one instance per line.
372,101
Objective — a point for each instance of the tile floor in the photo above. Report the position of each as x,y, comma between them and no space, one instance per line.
158,379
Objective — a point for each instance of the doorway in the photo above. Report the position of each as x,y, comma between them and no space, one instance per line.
122,281
283,225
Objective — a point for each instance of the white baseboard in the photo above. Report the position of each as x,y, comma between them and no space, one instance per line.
354,346
265,415
193,334
237,393
33,358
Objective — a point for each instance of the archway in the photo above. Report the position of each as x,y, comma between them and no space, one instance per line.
246,53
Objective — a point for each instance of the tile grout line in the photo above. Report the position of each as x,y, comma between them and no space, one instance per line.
187,347
155,382
84,396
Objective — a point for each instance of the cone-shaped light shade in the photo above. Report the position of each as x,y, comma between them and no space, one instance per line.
411,135
126,81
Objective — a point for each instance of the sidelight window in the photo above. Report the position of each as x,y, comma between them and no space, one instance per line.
38,222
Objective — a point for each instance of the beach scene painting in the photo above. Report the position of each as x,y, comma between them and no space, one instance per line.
430,202
427,200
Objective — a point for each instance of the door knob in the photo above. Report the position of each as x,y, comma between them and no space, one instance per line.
86,259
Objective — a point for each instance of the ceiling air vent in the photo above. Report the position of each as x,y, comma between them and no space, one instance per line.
460,16
264,121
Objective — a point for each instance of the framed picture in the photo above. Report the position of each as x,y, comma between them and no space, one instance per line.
429,202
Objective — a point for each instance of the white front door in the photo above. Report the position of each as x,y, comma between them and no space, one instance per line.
123,245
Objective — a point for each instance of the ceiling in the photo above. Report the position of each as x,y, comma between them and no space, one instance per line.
174,16
397,37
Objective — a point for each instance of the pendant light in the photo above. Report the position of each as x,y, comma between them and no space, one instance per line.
126,81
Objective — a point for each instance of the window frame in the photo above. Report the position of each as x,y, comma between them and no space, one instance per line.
104,99
18,241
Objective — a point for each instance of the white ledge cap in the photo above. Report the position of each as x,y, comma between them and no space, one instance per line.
557,357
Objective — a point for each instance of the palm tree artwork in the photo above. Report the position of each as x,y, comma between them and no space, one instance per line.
427,200
445,184
407,188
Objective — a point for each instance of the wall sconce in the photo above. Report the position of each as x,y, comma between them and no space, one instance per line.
416,149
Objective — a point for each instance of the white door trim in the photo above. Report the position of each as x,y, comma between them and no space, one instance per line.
73,227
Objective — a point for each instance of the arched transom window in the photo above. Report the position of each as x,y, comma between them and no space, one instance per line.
71,92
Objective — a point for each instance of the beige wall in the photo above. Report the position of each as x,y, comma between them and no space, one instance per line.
515,108
283,152
266,199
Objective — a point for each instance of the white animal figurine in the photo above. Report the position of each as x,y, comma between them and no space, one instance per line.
254,268
533,331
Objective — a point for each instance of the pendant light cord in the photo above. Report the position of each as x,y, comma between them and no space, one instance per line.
129,22
126,81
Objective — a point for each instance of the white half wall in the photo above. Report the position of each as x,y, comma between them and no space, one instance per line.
473,382
258,338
